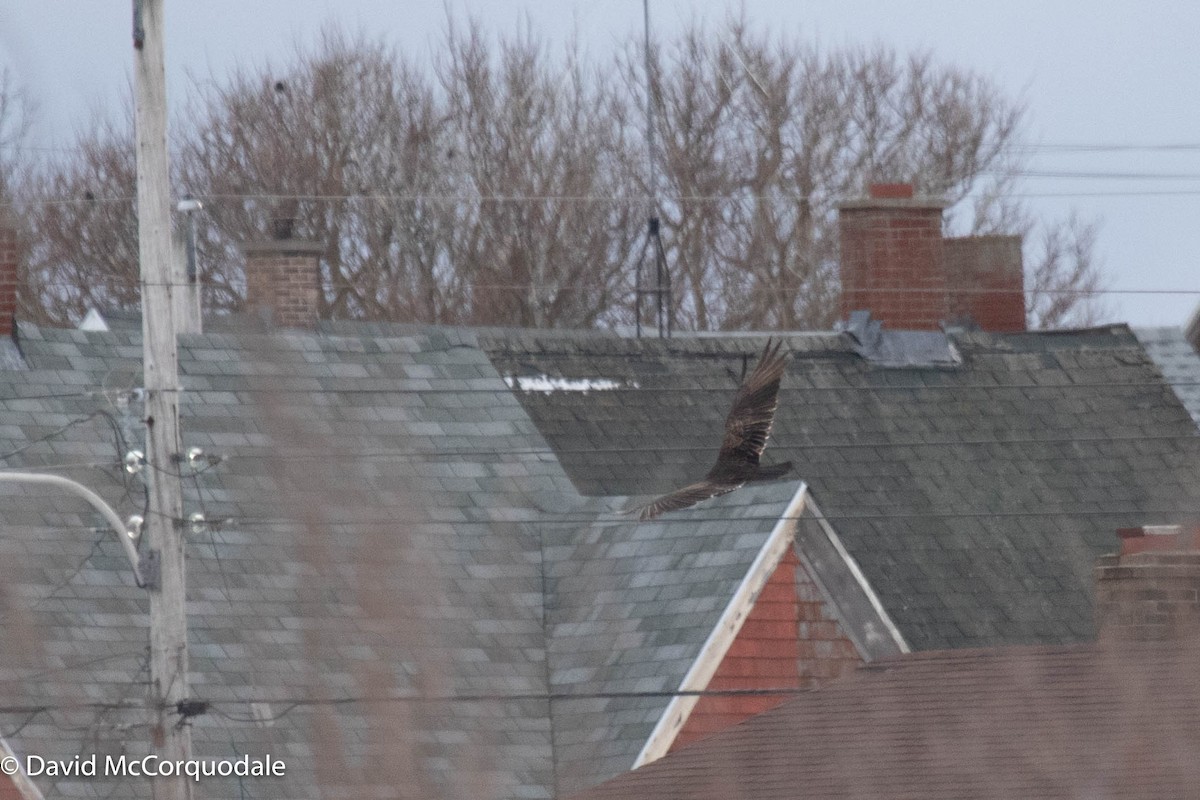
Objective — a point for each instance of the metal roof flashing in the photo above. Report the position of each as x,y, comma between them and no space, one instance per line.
898,349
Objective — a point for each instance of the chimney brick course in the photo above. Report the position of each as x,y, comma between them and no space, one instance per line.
986,281
283,279
9,273
1150,590
896,263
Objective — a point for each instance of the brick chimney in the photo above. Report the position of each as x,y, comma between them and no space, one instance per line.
897,265
986,281
283,279
8,273
1150,590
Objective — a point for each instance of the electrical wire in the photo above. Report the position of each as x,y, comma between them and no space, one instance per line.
1019,147
10,734
61,465
630,200
610,519
41,675
400,386
620,291
211,527
777,443
53,593
282,455
65,705
78,421
292,704
95,727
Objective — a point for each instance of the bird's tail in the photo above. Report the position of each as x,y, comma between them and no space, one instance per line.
772,472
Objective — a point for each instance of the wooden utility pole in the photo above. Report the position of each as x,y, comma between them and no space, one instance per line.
164,530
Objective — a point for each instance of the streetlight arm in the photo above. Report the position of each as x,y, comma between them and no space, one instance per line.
95,500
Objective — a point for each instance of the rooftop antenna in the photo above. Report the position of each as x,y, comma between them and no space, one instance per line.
653,242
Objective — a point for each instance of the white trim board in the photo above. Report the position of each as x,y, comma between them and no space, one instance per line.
712,653
868,639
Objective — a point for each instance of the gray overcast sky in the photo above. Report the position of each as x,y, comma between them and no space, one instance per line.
1105,72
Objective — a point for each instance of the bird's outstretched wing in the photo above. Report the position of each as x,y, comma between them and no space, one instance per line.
747,428
684,498
748,425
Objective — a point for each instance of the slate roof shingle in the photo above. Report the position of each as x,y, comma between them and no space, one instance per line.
381,486
974,497
1178,360
373,463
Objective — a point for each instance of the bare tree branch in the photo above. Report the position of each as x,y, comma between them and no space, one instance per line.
508,185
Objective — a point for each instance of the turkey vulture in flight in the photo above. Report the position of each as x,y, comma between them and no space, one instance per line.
746,431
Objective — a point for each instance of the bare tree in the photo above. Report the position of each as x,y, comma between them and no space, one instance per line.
81,218
472,194
1065,281
762,137
507,185
325,142
16,116
543,236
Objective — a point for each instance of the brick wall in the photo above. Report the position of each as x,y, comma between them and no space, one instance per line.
8,273
1150,590
896,264
892,261
787,641
283,279
986,281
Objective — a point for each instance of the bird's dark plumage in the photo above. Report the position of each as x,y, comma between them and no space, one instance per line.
747,429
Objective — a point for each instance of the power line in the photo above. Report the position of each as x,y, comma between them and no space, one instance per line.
430,387
60,465
292,704
1022,147
116,281
41,675
1112,147
776,444
70,705
609,519
1100,175
633,200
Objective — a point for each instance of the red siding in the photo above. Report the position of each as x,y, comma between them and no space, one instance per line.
789,640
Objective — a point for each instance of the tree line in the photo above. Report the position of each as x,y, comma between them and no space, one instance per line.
505,181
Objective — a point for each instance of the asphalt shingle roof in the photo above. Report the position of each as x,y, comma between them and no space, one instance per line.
348,540
1042,722
628,606
394,518
975,497
1178,361
388,520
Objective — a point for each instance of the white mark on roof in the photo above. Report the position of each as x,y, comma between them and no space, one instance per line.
547,384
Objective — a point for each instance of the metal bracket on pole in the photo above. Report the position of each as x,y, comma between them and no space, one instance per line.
150,568
95,500
139,30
